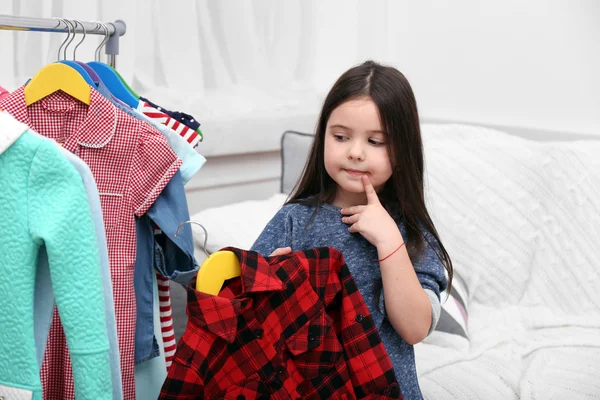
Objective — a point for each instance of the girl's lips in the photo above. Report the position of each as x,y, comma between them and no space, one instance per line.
354,172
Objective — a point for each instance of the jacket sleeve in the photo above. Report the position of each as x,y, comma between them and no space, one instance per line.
369,365
174,254
60,218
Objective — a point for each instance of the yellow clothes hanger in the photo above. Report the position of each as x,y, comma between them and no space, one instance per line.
55,77
216,269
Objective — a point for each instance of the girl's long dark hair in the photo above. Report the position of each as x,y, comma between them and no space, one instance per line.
403,193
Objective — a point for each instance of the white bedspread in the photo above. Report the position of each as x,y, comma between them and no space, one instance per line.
521,222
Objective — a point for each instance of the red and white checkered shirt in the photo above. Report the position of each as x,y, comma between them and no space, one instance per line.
131,163
293,326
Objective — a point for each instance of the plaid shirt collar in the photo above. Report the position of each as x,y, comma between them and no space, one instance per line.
257,275
97,129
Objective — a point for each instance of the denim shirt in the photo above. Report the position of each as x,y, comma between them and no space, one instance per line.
172,257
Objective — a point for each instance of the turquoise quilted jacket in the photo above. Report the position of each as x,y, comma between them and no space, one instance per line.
43,202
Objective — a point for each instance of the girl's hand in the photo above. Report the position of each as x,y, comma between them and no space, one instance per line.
281,251
372,220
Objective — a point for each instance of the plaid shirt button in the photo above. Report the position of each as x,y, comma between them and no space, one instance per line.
258,333
359,318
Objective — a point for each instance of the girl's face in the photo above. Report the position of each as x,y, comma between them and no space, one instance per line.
355,145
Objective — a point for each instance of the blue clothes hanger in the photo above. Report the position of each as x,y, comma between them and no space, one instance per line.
86,77
113,83
110,78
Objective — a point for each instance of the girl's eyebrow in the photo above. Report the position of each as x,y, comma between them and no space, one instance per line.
350,129
340,126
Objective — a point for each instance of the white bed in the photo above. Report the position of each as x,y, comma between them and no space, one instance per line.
521,221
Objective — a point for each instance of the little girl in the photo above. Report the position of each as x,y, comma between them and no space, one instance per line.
361,192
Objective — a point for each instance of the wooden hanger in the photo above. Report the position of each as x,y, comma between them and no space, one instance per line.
55,77
216,269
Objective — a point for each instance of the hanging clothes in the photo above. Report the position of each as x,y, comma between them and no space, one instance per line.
169,208
43,201
175,209
131,163
166,312
173,254
293,326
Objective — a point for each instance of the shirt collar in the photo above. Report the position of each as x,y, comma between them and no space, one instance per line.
11,130
219,314
97,129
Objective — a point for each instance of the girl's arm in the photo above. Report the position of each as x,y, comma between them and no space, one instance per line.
408,307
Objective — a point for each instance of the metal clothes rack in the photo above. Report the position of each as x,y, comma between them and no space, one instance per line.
115,29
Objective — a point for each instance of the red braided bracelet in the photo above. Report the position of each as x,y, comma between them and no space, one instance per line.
399,247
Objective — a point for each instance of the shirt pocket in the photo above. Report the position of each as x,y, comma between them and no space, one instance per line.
111,209
314,347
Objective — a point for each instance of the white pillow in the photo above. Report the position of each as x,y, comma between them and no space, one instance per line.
483,193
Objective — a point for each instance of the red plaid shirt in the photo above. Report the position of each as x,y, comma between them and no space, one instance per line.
131,163
294,326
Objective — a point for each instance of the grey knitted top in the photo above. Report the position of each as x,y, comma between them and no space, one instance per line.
288,229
